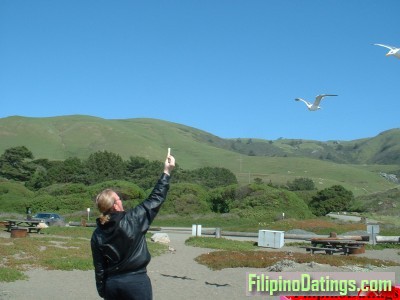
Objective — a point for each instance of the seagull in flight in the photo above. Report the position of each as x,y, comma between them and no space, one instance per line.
392,50
314,106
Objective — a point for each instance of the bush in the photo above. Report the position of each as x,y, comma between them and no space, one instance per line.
210,177
125,189
72,197
301,184
65,189
186,198
220,199
334,198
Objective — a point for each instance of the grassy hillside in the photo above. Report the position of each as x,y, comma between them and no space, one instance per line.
14,195
382,149
384,203
79,136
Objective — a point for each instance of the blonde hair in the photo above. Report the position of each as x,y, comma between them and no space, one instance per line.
105,201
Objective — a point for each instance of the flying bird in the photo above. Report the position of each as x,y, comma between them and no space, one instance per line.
392,50
314,106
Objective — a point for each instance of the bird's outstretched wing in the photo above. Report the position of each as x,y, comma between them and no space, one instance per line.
306,102
320,97
386,46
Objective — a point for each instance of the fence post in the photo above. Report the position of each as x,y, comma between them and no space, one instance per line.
196,230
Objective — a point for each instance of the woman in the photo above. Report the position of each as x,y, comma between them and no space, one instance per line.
119,248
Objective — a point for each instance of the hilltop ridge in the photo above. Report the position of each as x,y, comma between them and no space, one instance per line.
355,164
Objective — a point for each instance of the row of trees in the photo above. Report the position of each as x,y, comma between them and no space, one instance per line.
215,188
18,164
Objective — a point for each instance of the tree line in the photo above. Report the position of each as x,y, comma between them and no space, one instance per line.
64,183
18,164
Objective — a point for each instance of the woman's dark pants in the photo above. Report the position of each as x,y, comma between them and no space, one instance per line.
129,286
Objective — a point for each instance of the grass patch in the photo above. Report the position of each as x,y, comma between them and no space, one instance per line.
68,263
382,246
220,243
229,222
51,253
156,249
60,248
69,231
10,275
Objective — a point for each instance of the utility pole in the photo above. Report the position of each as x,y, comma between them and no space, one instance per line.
240,163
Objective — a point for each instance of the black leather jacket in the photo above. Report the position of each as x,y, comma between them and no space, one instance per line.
119,246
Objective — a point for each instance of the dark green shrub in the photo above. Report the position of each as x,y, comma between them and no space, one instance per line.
220,199
334,198
301,184
186,198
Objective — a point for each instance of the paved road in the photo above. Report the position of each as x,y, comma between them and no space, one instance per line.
349,218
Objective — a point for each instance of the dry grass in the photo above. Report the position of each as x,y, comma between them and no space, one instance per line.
261,259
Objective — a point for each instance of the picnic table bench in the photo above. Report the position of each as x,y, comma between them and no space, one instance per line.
335,245
29,225
328,250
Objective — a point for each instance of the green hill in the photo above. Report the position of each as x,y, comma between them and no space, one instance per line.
354,164
385,203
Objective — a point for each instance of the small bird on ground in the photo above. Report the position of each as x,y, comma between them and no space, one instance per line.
314,106
392,50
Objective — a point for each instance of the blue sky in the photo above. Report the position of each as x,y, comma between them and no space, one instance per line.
231,68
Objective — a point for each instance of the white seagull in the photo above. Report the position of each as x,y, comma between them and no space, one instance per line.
392,50
314,106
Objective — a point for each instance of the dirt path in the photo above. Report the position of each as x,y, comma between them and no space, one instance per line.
174,276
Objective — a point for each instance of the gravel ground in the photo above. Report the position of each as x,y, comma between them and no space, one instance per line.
174,275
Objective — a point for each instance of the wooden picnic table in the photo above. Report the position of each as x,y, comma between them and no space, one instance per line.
336,245
29,225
